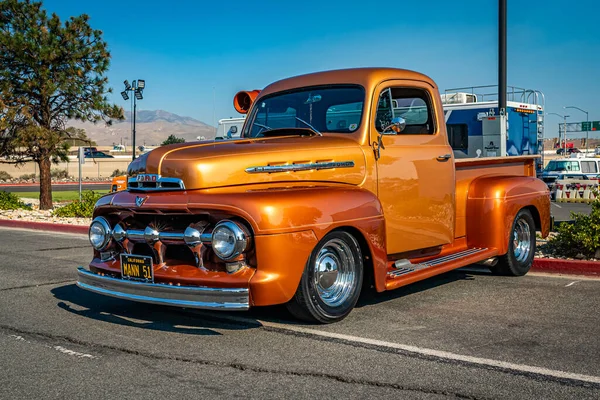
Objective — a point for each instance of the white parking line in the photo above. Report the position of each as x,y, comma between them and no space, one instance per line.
554,204
520,368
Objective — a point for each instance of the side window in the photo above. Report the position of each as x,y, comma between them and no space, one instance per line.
574,166
589,167
458,136
414,105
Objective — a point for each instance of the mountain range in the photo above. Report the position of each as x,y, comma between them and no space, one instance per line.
152,128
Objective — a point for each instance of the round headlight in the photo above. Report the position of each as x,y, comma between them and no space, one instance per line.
229,240
99,233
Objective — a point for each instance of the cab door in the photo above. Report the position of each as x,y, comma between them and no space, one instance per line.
415,167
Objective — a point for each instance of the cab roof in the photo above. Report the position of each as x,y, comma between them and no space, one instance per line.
366,77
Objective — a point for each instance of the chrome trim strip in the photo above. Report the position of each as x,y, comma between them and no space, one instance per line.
179,296
299,167
409,268
138,236
135,235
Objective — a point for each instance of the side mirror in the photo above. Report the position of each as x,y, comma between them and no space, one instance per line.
398,124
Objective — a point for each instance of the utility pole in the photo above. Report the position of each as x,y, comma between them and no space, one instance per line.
587,125
502,71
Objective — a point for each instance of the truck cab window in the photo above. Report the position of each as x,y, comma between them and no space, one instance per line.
414,105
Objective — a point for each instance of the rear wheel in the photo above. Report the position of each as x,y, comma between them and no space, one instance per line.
521,247
331,282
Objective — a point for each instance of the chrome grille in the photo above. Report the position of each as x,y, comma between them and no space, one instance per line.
149,182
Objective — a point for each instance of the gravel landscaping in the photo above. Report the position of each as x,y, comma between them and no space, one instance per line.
37,215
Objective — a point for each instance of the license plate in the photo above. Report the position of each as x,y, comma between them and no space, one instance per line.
137,267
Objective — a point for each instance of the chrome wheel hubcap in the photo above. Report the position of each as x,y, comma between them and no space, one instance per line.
334,272
521,240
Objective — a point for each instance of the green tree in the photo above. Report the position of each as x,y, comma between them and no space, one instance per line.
78,137
50,72
172,139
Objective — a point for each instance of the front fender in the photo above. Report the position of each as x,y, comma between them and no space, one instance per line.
493,203
287,223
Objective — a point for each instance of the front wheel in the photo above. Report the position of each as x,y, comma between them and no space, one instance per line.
331,282
521,247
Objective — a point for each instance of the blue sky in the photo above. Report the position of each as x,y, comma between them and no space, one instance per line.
184,49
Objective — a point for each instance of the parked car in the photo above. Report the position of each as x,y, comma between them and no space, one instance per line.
118,183
97,154
339,178
586,166
571,150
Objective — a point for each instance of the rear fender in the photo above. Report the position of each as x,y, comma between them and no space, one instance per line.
493,203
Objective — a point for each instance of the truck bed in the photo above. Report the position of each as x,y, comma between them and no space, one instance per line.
469,169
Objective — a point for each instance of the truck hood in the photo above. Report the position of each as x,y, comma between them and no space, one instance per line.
211,164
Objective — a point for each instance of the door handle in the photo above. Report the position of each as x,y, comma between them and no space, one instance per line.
445,157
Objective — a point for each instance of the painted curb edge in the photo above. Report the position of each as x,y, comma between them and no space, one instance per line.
45,226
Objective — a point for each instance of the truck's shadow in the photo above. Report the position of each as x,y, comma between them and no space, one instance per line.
147,316
370,297
171,319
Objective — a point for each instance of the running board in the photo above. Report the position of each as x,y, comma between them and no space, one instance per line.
404,266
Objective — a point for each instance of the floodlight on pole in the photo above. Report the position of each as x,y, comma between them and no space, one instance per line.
587,125
137,87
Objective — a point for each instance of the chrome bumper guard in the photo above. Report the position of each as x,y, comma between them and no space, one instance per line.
179,296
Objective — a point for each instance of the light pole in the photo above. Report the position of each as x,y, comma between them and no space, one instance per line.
137,87
587,126
564,117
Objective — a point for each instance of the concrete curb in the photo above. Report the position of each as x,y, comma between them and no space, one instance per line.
37,184
45,226
548,265
571,267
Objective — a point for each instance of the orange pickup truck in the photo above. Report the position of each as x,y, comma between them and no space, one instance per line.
341,181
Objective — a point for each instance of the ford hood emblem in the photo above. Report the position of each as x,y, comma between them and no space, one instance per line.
140,200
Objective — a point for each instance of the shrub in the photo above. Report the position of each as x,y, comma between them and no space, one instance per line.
28,176
580,237
10,201
76,208
5,175
118,172
59,173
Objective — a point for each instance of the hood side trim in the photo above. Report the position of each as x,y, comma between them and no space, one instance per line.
300,167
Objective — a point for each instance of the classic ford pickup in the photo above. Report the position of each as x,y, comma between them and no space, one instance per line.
342,180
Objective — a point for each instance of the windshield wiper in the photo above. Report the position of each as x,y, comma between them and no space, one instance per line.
310,126
264,127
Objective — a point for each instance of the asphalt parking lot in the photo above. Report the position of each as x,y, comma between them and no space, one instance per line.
465,334
562,211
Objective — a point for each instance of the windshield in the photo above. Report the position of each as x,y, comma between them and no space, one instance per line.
324,109
562,166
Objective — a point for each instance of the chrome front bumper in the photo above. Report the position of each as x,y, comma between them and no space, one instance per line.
180,296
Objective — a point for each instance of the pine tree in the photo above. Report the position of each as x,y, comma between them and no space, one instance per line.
50,72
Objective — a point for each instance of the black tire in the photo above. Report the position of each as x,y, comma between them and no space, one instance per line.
312,302
517,262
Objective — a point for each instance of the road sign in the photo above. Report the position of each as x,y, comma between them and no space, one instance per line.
590,126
